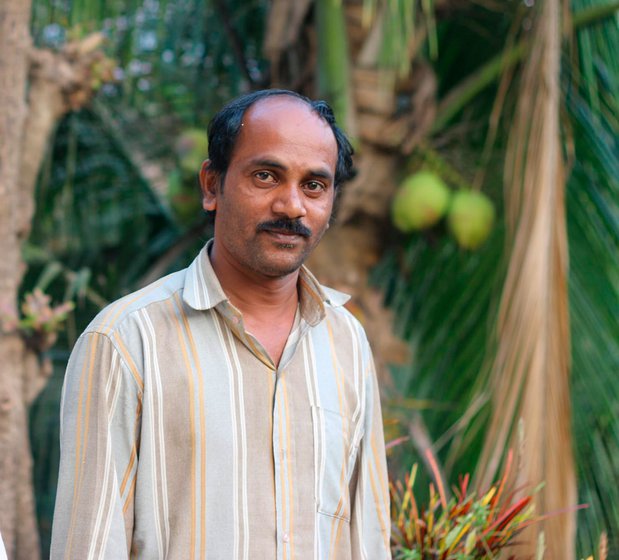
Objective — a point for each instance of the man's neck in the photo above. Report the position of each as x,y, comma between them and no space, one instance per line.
258,297
268,304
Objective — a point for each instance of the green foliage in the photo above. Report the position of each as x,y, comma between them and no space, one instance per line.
100,225
44,436
174,58
333,58
593,228
95,211
445,301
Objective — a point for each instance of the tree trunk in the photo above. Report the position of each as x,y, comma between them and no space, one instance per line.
19,367
57,83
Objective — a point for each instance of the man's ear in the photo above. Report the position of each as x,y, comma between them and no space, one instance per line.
209,181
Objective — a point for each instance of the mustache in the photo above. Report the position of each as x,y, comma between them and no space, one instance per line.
285,225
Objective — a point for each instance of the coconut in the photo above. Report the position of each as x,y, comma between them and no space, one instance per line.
420,202
470,218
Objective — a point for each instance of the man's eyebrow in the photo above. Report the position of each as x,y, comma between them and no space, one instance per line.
322,174
266,162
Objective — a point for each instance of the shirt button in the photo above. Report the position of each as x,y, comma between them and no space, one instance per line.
286,537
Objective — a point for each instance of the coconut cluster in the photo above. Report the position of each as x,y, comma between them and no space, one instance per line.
424,199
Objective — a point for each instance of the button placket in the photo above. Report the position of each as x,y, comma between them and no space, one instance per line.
279,457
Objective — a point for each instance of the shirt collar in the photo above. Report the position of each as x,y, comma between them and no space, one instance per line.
203,291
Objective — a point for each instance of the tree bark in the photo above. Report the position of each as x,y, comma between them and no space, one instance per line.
56,83
18,365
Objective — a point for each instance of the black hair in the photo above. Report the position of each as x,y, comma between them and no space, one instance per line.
225,126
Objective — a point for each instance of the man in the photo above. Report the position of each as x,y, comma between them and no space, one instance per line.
230,410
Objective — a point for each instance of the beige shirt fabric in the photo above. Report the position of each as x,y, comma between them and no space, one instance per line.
180,439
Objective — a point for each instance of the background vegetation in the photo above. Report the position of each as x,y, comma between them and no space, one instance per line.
113,199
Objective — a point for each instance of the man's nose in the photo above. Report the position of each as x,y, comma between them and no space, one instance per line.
289,201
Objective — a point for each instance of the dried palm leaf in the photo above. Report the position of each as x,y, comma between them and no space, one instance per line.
531,369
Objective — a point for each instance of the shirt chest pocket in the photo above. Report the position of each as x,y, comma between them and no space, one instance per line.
335,453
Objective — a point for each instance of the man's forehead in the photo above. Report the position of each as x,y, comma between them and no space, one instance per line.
285,119
271,109
268,105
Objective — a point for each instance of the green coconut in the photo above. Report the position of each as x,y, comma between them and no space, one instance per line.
192,150
470,218
420,202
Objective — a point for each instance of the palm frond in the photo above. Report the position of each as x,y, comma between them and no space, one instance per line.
444,300
531,371
333,61
593,225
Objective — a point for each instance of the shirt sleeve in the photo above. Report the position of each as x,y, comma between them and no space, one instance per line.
99,431
2,550
370,515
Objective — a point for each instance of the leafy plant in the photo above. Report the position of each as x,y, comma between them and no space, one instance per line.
466,527
40,320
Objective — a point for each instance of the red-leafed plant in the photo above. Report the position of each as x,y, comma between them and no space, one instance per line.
465,527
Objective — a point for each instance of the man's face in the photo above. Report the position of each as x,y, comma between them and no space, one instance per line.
278,191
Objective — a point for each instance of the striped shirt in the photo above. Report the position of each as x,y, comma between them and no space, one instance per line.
181,439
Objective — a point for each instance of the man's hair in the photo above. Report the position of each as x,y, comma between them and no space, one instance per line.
225,126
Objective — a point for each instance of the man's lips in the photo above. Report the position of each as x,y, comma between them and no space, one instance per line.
285,237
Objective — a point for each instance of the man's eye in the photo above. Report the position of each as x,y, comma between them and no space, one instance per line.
264,176
314,187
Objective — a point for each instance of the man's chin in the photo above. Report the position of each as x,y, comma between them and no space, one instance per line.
276,257
277,266
280,270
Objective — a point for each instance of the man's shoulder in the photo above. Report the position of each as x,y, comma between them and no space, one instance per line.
114,315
